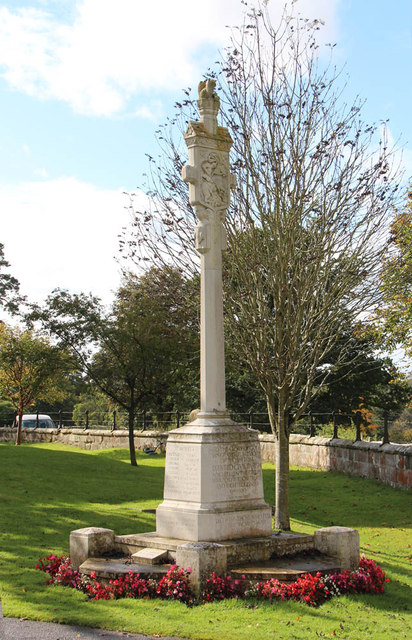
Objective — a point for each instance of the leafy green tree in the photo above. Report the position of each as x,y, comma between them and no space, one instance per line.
367,379
31,370
137,351
308,218
9,286
394,316
97,404
401,429
7,413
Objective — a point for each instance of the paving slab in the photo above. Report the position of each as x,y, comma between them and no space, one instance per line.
286,569
110,568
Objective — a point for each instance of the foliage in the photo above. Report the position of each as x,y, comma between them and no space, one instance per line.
315,589
98,405
401,429
31,369
175,585
60,571
141,352
312,590
306,228
7,413
9,286
367,379
369,578
394,316
220,588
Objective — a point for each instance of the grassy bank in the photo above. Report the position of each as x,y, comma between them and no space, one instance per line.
48,490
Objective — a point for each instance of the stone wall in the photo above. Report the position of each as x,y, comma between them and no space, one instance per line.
388,463
89,438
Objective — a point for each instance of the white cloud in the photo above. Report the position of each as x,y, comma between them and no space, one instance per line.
62,233
402,153
41,173
116,49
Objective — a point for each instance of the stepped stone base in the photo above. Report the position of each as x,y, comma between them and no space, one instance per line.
259,558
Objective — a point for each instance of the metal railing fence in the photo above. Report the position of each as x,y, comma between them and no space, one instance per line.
330,424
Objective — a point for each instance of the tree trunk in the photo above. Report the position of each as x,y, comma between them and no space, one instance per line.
132,449
19,423
280,429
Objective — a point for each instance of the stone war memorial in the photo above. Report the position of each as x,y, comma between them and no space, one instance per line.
213,516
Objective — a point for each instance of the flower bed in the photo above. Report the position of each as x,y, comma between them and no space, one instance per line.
310,589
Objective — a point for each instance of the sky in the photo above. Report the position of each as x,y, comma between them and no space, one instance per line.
84,85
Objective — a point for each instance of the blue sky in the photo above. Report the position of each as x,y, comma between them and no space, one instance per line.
84,85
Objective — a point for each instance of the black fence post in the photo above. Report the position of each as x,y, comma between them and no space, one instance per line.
312,426
251,419
177,419
358,420
385,439
37,420
144,420
335,425
87,420
114,421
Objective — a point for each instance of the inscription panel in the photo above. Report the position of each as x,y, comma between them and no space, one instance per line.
182,474
232,472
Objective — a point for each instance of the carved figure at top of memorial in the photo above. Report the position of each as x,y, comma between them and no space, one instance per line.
206,90
208,103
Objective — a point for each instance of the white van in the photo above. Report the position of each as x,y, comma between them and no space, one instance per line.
29,421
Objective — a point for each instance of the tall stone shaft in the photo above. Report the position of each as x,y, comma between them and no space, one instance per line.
213,486
209,181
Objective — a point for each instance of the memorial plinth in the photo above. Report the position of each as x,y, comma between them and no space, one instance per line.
213,481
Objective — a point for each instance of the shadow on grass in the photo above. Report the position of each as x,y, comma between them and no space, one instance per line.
49,490
323,499
52,490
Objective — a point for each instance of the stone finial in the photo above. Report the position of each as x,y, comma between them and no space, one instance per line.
208,103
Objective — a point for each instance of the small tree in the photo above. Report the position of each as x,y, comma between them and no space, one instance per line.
306,229
394,316
9,286
137,351
31,370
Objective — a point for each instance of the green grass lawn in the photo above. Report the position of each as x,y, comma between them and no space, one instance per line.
48,489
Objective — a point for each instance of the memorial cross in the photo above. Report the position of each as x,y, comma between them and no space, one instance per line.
210,180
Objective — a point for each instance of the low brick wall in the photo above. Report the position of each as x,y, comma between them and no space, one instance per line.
388,463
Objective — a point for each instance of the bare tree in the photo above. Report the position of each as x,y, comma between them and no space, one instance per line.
308,224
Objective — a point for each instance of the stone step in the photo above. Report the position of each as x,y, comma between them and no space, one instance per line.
110,568
149,555
286,569
131,543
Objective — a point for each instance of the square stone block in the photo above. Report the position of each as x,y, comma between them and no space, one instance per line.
90,542
341,543
202,558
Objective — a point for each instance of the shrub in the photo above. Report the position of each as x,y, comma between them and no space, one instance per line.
220,588
175,585
369,578
60,571
312,590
